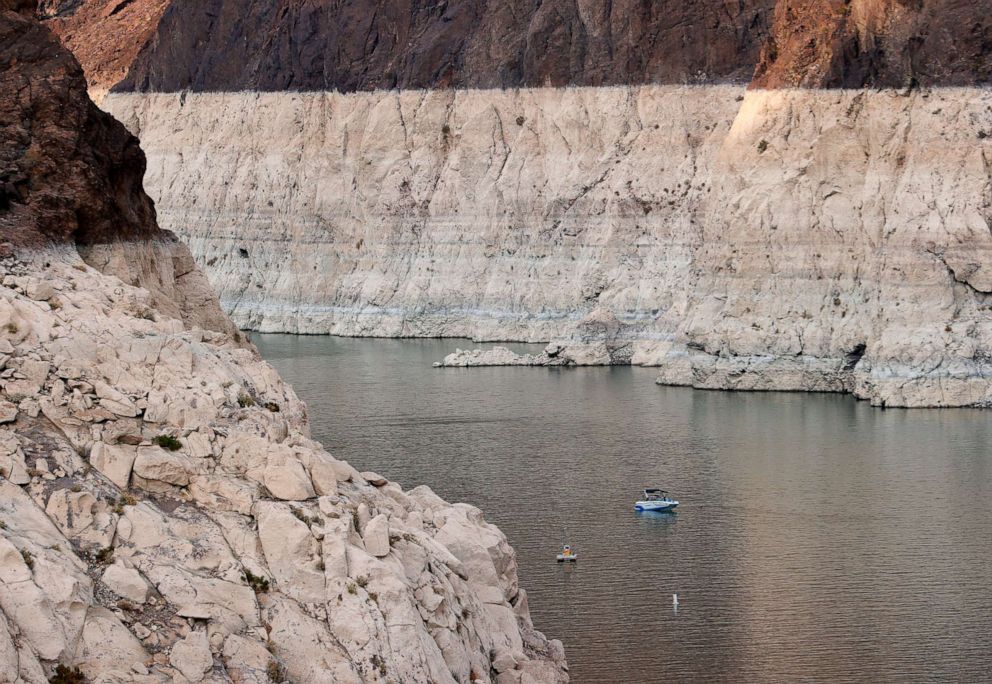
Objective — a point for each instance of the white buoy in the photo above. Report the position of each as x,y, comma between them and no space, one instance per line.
675,603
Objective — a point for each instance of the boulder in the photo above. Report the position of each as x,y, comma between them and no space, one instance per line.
374,478
82,517
288,481
126,582
155,463
8,412
106,644
324,476
246,660
191,656
114,461
291,552
376,536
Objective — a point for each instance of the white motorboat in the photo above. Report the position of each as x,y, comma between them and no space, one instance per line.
656,500
567,555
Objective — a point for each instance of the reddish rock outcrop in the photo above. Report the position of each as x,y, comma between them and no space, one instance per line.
105,35
877,43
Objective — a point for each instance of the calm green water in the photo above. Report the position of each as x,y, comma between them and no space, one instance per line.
819,539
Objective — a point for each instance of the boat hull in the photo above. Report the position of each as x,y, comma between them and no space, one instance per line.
656,506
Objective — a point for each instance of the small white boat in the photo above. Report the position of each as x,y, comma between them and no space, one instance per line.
567,555
656,500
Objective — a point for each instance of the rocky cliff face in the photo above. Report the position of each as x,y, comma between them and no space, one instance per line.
164,515
231,45
824,238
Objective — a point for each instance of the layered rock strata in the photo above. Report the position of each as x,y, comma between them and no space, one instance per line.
820,240
164,515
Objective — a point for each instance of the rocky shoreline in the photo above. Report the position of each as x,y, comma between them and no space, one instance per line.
165,516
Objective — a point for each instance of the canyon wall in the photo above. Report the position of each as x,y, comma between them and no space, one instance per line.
786,239
164,514
531,171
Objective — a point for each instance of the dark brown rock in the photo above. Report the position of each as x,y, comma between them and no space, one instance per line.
216,45
68,171
220,45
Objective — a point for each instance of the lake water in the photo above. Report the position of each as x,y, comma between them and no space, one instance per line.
819,539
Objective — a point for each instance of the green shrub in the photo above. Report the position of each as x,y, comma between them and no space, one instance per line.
259,584
245,400
168,442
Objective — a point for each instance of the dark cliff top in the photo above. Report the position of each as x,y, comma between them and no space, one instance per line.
68,171
357,45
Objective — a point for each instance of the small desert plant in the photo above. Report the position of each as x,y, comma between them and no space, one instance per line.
104,556
520,121
55,303
351,588
276,671
75,489
259,584
12,328
379,663
65,675
762,146
362,581
168,442
272,406
28,559
124,500
245,400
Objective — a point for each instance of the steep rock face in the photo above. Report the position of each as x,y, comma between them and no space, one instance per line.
164,515
877,43
70,173
230,45
105,35
832,240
